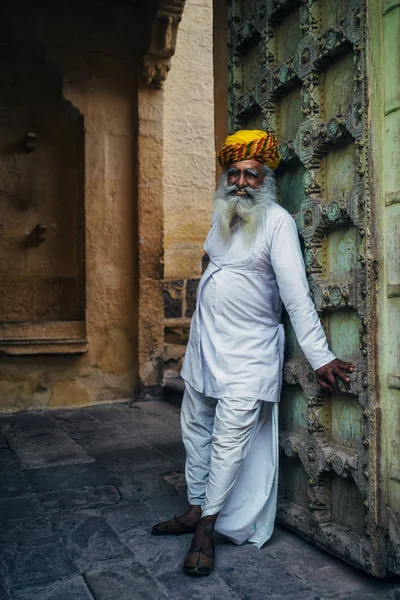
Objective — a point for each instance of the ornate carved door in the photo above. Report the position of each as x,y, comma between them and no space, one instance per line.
298,68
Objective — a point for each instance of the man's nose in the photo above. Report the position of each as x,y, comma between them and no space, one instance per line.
242,181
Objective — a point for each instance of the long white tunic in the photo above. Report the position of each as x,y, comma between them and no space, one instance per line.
236,340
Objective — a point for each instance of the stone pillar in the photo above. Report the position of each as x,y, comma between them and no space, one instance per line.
151,225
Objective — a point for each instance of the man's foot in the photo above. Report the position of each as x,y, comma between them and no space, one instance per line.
200,558
185,523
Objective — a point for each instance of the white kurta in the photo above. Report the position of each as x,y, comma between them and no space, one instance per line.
236,341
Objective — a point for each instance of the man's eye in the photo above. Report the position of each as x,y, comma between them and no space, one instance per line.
251,174
233,173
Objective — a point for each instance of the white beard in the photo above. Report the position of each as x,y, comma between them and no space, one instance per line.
250,210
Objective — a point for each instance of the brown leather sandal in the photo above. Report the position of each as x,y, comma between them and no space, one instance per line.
172,527
199,563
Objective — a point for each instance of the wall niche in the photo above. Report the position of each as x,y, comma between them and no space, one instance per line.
42,270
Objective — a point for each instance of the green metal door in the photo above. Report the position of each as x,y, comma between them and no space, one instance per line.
299,68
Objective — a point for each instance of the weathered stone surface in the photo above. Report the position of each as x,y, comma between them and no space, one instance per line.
173,359
13,481
126,461
18,508
142,485
43,547
210,587
4,594
25,530
189,124
110,252
173,296
74,477
165,508
72,416
159,555
68,500
191,289
42,449
96,438
274,580
176,331
37,562
127,516
25,421
205,260
153,431
90,540
110,412
161,410
328,579
169,445
73,588
125,582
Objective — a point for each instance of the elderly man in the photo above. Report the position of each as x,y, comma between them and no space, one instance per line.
233,364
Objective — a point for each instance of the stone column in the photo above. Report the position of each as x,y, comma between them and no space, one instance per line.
150,231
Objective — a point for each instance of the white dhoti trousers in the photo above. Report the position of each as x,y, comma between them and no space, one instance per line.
232,462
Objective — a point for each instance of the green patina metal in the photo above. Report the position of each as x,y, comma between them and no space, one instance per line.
305,70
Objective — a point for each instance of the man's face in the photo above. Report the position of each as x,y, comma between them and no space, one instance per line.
245,173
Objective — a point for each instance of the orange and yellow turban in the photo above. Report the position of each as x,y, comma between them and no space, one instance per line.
246,144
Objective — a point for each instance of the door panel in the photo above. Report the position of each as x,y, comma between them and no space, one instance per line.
298,69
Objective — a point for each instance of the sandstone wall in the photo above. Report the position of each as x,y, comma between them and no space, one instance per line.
89,56
189,173
189,153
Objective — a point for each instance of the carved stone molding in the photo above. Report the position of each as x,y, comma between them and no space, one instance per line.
164,30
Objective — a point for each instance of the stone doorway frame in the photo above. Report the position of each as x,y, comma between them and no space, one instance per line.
155,67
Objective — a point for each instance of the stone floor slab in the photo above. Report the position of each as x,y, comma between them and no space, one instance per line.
143,485
27,421
70,416
250,572
35,562
71,588
4,592
110,412
18,509
159,408
71,477
90,540
42,449
158,554
73,517
165,508
331,579
137,457
169,444
98,437
70,500
124,582
126,516
149,422
182,587
13,481
23,531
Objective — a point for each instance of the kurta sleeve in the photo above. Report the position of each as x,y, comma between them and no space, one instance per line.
289,268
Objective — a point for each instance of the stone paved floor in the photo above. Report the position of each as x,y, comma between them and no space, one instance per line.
79,491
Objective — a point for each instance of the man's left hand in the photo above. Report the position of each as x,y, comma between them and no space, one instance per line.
326,375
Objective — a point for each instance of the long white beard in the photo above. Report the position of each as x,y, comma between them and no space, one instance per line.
250,210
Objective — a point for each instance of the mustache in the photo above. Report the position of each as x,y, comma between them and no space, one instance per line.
230,190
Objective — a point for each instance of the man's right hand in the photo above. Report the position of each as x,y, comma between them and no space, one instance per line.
326,375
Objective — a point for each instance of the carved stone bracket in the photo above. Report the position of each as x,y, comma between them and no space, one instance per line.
157,61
